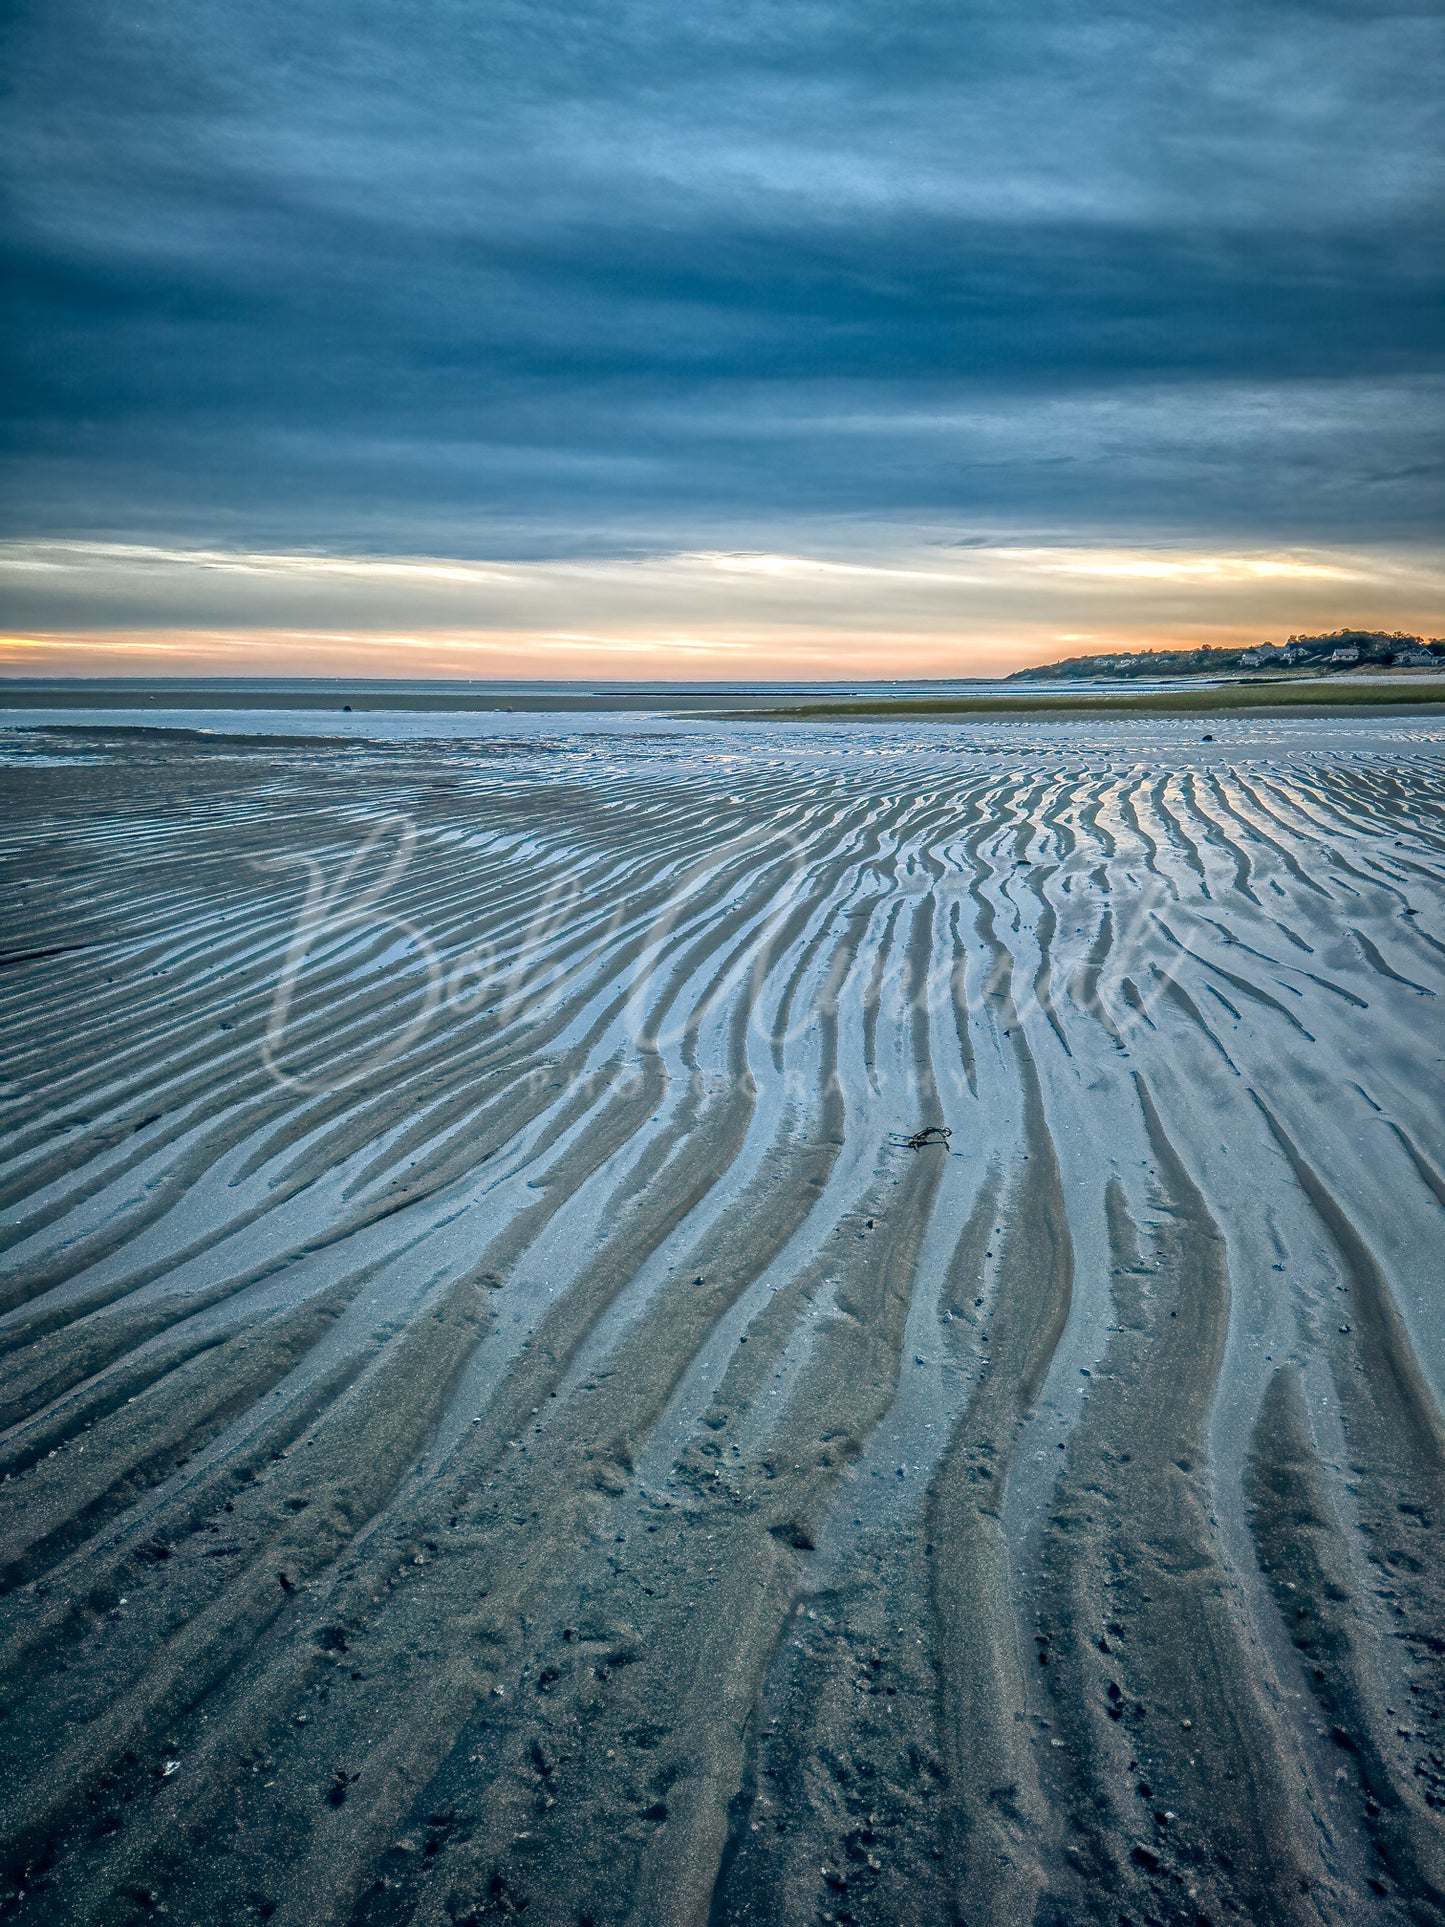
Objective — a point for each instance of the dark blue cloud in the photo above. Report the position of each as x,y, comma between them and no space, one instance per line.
542,277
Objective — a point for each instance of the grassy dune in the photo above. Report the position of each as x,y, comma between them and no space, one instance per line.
1208,700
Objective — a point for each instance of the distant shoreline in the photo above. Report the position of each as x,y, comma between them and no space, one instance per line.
940,699
464,697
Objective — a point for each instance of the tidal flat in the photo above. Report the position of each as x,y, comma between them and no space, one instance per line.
499,1419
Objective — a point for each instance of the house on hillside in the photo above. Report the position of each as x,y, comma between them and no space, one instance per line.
1345,655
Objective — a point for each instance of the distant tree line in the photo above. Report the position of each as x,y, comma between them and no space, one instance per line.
1343,650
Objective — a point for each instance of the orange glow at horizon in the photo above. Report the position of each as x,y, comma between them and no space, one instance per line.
566,657
909,609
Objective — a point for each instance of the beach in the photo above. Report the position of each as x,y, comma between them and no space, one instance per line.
623,1318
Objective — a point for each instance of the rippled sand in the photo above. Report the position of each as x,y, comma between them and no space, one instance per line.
499,1422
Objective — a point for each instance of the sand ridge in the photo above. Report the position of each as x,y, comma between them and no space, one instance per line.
555,1449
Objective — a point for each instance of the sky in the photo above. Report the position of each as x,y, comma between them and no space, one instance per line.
649,339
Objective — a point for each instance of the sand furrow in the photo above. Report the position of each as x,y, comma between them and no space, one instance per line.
557,1449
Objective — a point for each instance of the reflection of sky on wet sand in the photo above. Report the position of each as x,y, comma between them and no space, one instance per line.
671,741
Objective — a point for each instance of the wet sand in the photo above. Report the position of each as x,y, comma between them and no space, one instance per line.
499,1422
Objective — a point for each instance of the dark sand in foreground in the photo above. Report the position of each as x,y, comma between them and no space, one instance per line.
499,1425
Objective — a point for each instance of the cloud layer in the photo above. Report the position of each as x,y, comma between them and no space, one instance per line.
933,610
535,281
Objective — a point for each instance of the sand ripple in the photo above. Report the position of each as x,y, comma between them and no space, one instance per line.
497,1420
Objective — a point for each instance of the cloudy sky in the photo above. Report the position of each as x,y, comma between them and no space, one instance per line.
649,338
